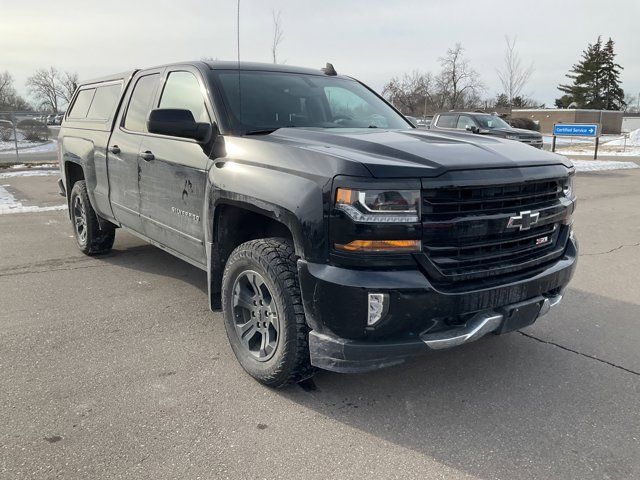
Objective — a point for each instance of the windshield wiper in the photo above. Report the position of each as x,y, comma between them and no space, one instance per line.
264,131
267,131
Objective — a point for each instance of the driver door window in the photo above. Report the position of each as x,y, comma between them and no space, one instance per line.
182,90
464,121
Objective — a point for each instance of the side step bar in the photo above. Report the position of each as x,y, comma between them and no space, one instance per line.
477,327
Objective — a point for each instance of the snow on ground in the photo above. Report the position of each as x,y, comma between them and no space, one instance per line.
9,204
633,140
32,172
610,145
602,151
25,146
601,165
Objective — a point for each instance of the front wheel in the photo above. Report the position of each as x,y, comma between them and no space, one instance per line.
90,237
263,312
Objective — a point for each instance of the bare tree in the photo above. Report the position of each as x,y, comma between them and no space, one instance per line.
412,93
68,85
459,83
44,86
51,88
6,84
9,98
513,75
278,34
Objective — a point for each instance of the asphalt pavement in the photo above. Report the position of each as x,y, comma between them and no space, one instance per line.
113,367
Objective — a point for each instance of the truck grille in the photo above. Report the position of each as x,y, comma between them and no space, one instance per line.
465,232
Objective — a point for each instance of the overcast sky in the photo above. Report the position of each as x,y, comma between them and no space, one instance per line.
372,40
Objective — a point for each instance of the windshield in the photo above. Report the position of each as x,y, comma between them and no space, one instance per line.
491,122
271,100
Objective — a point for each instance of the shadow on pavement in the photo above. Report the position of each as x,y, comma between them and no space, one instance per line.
149,259
504,407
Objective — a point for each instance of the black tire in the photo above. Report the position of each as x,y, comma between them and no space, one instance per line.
286,356
90,238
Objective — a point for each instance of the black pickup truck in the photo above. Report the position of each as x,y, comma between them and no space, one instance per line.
334,234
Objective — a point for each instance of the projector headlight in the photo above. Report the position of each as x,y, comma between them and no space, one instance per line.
568,189
379,206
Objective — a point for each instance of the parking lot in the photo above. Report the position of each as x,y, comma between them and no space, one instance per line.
113,367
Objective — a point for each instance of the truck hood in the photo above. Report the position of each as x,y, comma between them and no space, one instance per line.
415,153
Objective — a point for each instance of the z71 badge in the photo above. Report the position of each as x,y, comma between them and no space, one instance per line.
189,215
542,240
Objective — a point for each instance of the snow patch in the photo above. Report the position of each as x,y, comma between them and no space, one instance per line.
632,141
601,165
30,173
9,204
27,146
30,209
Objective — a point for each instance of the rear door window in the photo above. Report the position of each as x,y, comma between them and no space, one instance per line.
447,121
104,102
182,90
81,105
140,103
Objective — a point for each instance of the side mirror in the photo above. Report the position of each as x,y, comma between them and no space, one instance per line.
472,129
178,123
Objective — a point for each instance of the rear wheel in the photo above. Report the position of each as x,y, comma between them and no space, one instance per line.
90,237
263,313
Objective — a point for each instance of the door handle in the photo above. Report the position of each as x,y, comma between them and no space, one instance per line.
115,149
147,156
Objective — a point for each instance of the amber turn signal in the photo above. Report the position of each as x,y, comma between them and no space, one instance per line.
397,246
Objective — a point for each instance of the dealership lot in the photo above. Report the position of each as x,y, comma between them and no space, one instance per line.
113,367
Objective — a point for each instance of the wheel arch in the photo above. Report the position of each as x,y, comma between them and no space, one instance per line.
233,223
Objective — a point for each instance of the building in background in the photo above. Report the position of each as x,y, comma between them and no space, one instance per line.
611,121
630,122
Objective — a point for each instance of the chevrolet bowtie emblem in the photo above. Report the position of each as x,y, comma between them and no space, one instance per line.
524,221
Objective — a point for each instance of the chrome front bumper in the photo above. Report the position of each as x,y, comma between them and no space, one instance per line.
480,325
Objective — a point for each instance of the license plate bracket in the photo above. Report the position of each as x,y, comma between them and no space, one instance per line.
520,315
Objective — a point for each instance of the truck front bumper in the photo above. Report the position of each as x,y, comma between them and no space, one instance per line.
419,318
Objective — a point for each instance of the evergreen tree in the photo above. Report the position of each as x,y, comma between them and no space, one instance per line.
613,95
595,80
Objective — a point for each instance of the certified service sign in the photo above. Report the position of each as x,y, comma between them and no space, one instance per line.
576,130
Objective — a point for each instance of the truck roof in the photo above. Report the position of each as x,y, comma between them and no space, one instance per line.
109,78
213,65
267,67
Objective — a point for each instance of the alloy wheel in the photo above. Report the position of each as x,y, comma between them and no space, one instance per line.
80,220
255,315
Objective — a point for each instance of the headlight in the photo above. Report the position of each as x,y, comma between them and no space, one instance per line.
379,206
512,137
567,189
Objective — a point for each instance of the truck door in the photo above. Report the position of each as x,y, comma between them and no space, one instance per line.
124,148
172,172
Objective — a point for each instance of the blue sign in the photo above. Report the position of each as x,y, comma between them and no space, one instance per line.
576,130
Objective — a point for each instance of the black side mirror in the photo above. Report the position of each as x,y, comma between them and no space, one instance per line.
176,122
472,129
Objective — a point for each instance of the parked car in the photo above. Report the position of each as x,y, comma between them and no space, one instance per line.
424,122
414,121
418,122
51,119
484,124
333,233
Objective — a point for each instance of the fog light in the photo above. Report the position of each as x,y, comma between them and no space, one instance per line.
378,306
